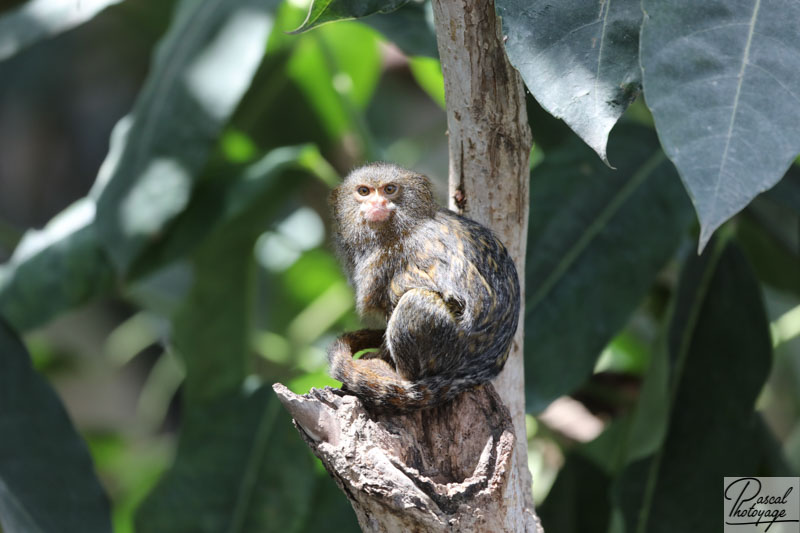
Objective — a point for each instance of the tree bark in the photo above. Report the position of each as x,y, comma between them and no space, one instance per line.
461,466
442,469
489,146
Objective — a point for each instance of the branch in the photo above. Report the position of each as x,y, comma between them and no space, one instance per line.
447,468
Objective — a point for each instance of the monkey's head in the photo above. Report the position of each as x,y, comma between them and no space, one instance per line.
381,201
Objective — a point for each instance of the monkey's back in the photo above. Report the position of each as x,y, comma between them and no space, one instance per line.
472,271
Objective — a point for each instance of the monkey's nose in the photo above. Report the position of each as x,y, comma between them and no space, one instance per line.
377,211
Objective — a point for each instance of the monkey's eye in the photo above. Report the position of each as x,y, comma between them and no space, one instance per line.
390,189
363,190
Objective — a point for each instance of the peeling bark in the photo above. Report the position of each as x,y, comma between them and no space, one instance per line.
443,469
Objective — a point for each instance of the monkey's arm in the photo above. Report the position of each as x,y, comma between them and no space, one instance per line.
362,339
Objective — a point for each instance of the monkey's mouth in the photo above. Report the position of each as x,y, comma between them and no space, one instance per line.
377,213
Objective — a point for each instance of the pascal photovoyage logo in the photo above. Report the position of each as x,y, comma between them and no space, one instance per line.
755,504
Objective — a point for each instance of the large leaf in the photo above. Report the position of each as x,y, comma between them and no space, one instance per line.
241,467
337,69
212,325
322,11
411,28
236,460
55,269
40,19
578,58
203,66
47,481
720,354
597,238
721,78
578,501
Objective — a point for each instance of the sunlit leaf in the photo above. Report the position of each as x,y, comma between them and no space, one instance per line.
55,269
212,325
721,79
579,59
597,239
337,68
203,66
711,432
39,19
47,481
240,467
428,73
322,11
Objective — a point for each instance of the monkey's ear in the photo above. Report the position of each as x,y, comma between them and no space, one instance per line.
334,195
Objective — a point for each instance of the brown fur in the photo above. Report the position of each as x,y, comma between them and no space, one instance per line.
444,284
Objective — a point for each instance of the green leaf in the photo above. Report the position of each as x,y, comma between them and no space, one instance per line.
411,28
47,481
720,355
337,70
578,501
428,73
597,239
237,451
212,327
220,199
721,80
322,11
579,59
55,269
240,467
37,20
202,68
773,262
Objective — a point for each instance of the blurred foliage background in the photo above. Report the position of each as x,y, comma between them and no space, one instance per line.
165,275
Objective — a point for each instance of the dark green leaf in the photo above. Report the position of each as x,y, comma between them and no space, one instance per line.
55,269
410,28
720,354
47,481
579,500
202,68
39,19
787,191
212,326
774,263
220,199
597,239
240,467
579,59
332,510
322,11
721,80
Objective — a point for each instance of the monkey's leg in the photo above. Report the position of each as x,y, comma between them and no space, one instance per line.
423,336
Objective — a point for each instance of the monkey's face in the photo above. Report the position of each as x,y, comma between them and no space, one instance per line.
376,202
380,201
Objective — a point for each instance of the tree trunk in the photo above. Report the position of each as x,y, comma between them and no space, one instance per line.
461,466
489,146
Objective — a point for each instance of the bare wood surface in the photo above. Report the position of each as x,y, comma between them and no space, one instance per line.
443,469
489,147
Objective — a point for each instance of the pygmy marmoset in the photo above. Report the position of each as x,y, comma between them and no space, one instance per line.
445,285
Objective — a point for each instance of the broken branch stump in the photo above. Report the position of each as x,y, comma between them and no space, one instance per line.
441,469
